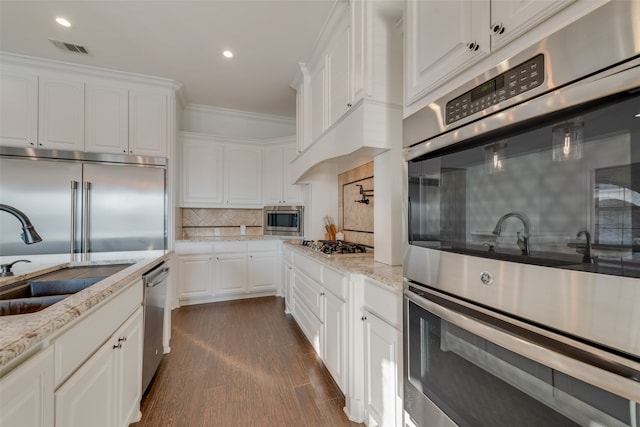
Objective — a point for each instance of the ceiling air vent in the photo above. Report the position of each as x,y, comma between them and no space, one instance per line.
69,47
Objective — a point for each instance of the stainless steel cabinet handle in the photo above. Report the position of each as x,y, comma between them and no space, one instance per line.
74,207
85,219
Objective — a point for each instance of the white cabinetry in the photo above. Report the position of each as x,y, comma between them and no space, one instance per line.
231,273
261,271
243,175
148,123
195,271
26,393
18,108
442,39
382,365
277,187
106,390
107,119
218,174
61,113
202,172
338,76
318,101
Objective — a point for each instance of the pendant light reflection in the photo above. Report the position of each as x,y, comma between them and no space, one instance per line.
567,140
495,157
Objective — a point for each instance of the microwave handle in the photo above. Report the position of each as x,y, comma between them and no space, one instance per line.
410,229
626,385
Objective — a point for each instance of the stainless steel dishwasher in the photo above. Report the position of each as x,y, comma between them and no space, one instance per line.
155,290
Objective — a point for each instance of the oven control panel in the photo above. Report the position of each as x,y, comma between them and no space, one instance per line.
513,82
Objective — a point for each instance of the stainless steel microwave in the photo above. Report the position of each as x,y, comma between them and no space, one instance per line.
283,220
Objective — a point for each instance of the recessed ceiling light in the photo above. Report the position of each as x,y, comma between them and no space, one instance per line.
227,54
638,116
63,22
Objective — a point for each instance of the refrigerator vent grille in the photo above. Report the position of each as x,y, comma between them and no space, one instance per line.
70,47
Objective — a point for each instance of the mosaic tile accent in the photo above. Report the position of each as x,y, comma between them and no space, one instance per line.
356,218
227,222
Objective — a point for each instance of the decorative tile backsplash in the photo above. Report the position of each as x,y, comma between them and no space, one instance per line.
356,219
198,223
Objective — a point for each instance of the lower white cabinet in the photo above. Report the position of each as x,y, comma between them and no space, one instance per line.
231,273
308,310
335,336
26,393
106,390
382,372
195,276
261,271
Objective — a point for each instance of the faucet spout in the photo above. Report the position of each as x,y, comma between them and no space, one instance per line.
586,258
523,238
29,234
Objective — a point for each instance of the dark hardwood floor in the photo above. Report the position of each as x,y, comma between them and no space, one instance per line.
241,363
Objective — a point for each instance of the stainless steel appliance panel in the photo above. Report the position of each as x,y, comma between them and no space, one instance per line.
155,290
42,189
126,207
283,220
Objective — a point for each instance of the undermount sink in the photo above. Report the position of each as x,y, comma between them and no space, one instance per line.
38,293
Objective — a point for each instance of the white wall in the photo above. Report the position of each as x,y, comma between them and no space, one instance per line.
321,200
387,214
225,122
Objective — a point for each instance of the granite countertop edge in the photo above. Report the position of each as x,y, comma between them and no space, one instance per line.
20,333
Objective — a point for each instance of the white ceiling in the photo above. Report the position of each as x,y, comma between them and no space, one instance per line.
181,40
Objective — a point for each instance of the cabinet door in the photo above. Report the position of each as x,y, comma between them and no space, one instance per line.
129,368
510,19
202,173
61,114
87,398
195,276
359,14
18,109
231,274
292,194
289,277
148,124
272,173
107,119
261,272
443,38
26,393
243,175
334,356
318,96
338,76
383,370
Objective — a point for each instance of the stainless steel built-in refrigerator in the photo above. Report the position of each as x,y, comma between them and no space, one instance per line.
82,202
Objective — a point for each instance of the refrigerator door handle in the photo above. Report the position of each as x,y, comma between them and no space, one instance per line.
85,218
74,207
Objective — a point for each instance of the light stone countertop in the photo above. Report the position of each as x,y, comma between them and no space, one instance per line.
22,332
236,238
364,264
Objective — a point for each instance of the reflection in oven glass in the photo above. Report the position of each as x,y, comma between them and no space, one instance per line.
478,383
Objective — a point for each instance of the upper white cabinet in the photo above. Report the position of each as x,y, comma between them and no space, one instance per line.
61,113
276,176
66,107
510,19
338,76
107,119
318,101
202,172
148,123
243,175
444,38
18,108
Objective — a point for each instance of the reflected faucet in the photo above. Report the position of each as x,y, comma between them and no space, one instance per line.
523,237
586,258
29,234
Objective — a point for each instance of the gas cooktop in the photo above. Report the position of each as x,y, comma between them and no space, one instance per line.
330,247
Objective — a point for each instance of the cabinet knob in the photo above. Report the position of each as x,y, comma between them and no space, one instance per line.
363,318
122,339
32,143
349,105
321,294
498,28
119,345
473,46
124,151
217,257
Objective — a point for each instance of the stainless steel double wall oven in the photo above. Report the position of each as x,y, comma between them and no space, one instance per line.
522,269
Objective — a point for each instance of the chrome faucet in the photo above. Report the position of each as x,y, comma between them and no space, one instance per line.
586,258
29,234
523,237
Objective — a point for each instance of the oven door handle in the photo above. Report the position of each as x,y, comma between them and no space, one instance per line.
609,380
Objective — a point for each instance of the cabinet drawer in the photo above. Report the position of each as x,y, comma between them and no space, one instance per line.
334,282
188,248
383,302
262,245
311,327
308,292
78,343
309,267
219,247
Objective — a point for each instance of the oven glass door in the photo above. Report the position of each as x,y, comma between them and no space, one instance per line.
559,191
477,382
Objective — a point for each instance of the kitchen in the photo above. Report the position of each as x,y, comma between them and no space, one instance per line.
352,115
